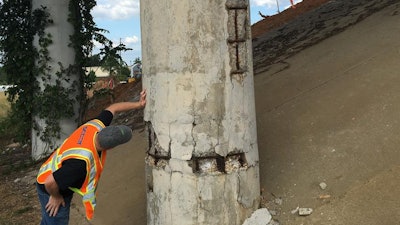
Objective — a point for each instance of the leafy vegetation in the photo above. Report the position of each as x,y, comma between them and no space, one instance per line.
17,29
24,64
2,76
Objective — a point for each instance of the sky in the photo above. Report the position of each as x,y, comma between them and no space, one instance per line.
122,20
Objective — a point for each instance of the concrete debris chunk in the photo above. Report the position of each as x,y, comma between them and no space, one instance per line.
294,211
259,217
273,222
273,212
323,185
305,211
324,196
278,201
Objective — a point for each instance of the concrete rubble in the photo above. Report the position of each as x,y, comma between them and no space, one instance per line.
259,217
305,211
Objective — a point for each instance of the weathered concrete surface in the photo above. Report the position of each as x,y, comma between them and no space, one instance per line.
202,163
259,217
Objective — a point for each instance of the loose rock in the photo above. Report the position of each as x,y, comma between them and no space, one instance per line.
294,211
259,217
323,185
305,211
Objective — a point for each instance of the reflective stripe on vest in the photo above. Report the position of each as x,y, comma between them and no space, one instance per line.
80,145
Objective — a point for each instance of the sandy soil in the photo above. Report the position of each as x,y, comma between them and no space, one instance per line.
332,116
275,21
329,115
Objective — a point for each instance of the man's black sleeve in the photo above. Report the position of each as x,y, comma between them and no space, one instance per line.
71,174
106,117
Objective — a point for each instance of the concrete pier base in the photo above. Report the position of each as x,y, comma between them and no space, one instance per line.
175,195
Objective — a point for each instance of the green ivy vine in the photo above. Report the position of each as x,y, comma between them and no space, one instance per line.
24,65
18,57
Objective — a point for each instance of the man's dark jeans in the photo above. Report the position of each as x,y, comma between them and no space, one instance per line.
62,217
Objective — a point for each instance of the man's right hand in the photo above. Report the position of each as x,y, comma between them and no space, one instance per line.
142,100
54,204
56,199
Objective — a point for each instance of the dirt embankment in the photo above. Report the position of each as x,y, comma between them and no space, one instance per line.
309,23
271,22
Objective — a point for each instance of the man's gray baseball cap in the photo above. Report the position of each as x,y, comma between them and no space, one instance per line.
112,136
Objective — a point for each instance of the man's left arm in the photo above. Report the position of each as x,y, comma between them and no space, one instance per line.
125,106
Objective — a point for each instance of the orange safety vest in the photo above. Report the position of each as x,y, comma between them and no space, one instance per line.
79,145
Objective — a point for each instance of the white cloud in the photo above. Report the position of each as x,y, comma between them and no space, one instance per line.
272,3
116,10
127,41
131,40
268,3
97,45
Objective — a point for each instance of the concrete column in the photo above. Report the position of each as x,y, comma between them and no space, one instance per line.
202,162
59,52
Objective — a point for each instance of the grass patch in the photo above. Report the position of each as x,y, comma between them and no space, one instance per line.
24,210
5,123
4,105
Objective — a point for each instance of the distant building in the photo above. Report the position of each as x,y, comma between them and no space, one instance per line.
4,88
103,78
98,71
136,71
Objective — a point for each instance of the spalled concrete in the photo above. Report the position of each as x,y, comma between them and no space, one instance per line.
202,162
